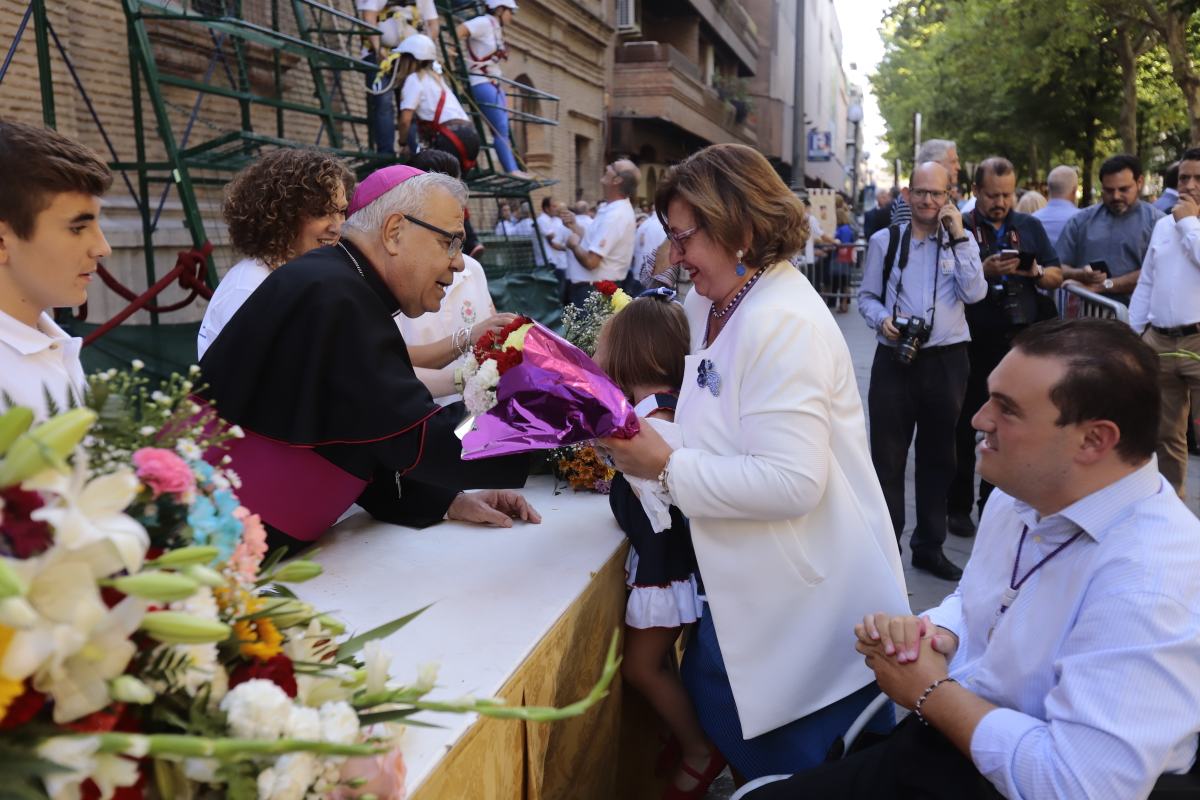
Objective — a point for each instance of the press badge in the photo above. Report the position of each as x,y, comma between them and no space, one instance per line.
947,264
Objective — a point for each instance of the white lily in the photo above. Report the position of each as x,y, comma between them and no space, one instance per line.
66,607
89,516
79,683
79,757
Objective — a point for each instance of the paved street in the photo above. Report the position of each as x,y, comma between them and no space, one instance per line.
924,590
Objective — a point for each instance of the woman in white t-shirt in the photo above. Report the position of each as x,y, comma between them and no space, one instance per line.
442,122
484,36
280,207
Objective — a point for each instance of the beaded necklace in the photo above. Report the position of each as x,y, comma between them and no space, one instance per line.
713,313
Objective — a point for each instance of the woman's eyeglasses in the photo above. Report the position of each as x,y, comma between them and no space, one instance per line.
680,239
456,239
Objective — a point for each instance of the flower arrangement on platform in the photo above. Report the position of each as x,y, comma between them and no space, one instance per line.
526,388
149,645
580,466
581,325
494,354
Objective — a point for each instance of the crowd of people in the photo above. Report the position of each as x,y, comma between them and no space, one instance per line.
1066,661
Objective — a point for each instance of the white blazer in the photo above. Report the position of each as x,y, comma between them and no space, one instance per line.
789,523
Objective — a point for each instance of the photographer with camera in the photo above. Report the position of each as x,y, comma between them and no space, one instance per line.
917,281
1018,259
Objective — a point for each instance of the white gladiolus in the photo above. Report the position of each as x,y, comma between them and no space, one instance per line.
426,677
377,662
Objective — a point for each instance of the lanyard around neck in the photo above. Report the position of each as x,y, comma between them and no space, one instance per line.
1015,584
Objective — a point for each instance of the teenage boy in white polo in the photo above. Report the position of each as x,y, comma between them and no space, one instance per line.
50,247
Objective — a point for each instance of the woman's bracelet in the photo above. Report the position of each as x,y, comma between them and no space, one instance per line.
462,340
925,696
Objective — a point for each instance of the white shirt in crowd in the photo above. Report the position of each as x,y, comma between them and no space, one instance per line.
1168,290
421,93
573,266
486,38
611,236
507,227
553,227
466,303
395,29
238,284
1096,664
38,361
650,236
815,231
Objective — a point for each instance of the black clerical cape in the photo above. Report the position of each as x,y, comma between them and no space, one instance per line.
315,371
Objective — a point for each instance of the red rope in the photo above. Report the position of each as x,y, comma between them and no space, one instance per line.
190,267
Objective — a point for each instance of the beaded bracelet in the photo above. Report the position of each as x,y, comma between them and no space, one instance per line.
925,695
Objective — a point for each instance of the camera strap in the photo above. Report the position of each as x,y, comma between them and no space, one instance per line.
905,241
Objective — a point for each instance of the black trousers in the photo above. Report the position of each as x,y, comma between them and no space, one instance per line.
986,350
914,763
926,395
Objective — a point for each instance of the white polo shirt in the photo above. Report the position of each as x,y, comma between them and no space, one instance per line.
650,236
552,227
238,284
421,93
611,236
37,361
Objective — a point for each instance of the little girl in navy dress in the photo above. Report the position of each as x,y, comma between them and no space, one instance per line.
643,348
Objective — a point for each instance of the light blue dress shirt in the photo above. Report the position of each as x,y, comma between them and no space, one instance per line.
1096,665
959,281
1054,216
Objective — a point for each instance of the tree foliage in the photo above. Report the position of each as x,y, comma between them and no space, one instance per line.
1039,83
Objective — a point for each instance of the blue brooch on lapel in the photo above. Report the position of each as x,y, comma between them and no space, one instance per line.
707,377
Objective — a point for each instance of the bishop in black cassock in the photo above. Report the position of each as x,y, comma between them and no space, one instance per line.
314,370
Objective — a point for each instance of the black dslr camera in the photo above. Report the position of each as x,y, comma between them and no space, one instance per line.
914,332
1007,295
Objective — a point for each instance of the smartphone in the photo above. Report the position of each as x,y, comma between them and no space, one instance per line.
1009,253
1026,262
1100,266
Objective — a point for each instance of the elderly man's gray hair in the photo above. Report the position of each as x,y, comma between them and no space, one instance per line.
1062,182
934,150
410,197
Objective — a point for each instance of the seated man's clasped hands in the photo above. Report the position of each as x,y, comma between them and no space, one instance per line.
1066,664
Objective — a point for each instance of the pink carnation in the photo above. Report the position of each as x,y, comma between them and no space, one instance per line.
164,472
250,550
383,777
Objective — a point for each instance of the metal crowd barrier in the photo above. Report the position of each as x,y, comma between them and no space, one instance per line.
1076,302
833,281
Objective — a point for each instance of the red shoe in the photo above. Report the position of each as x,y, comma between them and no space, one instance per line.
716,763
669,756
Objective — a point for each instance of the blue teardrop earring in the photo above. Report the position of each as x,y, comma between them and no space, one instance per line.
741,268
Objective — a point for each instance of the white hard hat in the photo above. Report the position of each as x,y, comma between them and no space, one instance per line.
494,4
420,47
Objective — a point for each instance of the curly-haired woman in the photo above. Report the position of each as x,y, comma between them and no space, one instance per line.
280,207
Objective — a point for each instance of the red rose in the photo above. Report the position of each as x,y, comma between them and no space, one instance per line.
21,536
506,359
511,327
23,709
277,669
606,288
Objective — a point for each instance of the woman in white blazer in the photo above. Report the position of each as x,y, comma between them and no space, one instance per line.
791,531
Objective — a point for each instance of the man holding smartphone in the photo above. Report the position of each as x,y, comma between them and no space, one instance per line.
1103,246
1166,310
916,282
1018,260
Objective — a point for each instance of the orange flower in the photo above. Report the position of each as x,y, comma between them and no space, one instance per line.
10,690
257,636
